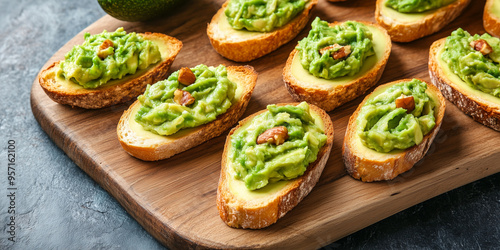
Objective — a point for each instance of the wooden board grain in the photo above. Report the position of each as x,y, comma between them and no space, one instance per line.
174,199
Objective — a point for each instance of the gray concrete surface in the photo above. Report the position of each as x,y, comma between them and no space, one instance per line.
57,206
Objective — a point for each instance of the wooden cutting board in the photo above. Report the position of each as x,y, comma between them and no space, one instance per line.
174,199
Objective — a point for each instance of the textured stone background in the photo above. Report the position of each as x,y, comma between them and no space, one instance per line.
59,207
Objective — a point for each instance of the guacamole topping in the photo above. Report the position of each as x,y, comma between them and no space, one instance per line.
352,35
262,15
106,56
416,6
259,164
384,127
479,71
213,95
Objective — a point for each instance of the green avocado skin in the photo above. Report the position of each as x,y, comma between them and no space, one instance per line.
137,10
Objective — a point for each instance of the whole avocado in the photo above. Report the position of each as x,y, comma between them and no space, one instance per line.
137,10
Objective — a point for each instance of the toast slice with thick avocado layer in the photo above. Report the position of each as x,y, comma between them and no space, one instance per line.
243,45
329,94
240,207
369,165
149,146
407,27
482,107
65,91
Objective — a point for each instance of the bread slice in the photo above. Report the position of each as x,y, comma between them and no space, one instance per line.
64,91
491,18
149,146
482,107
240,208
329,94
369,165
406,27
244,46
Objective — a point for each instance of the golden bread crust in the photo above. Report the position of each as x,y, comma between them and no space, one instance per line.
153,150
238,213
329,99
115,91
491,22
401,31
368,169
247,49
477,108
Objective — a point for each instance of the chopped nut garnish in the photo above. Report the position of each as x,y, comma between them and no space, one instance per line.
342,52
186,76
330,47
103,52
406,102
482,46
276,135
183,98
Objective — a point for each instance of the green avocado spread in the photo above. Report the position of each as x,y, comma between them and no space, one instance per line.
350,34
384,127
259,164
416,6
213,95
480,71
93,64
262,15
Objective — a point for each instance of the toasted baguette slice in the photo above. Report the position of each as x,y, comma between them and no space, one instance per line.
329,94
149,146
117,91
244,46
491,18
240,208
369,165
406,27
482,107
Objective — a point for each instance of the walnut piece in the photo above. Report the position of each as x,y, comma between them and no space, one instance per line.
482,46
183,98
341,53
406,102
103,52
276,136
186,76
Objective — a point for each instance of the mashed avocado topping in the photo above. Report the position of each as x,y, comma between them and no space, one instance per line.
383,126
331,52
480,71
416,6
262,15
213,95
106,56
260,164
